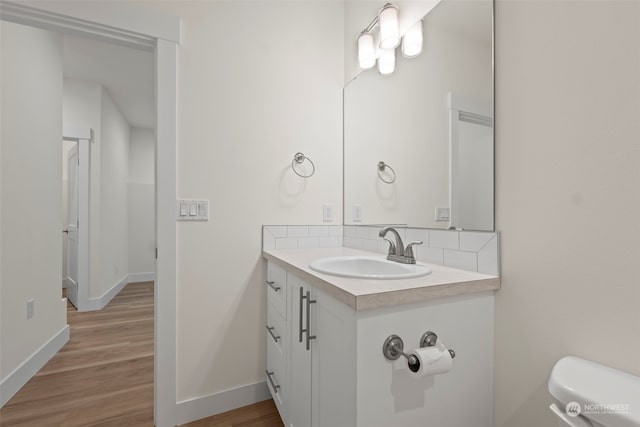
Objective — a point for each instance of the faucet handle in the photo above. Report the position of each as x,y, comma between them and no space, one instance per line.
408,251
392,246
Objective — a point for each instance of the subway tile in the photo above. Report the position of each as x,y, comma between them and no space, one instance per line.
374,232
329,242
308,242
318,230
297,231
443,239
336,230
417,235
430,255
362,232
461,259
277,230
350,230
383,247
268,241
287,243
488,258
356,243
474,241
370,245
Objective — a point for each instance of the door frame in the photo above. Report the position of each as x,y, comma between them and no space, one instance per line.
138,26
82,136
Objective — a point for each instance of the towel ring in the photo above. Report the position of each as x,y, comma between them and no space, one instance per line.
299,158
381,167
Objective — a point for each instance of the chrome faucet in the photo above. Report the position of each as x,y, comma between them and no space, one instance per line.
397,251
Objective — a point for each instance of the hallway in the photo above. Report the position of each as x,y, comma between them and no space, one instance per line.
102,376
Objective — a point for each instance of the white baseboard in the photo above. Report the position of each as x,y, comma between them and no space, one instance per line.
142,277
101,302
27,369
207,406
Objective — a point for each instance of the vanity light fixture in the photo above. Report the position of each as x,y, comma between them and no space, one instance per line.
381,43
412,41
389,27
387,61
366,50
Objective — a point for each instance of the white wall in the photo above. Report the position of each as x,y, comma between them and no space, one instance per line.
141,202
568,195
258,82
114,175
31,195
403,120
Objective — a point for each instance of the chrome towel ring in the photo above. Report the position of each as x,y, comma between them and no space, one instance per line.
381,167
299,158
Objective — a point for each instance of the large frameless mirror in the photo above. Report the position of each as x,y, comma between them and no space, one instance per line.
418,144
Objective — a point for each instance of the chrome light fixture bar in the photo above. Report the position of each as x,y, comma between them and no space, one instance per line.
382,48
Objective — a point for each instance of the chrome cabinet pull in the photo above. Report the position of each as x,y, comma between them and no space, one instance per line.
273,384
300,330
273,286
274,336
308,330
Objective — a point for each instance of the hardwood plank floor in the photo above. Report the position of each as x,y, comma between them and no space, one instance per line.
104,375
261,414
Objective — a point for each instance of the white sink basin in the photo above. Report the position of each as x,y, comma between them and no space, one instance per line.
368,267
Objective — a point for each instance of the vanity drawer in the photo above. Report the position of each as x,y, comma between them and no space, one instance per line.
276,366
277,288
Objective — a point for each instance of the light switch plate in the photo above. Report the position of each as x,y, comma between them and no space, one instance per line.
192,210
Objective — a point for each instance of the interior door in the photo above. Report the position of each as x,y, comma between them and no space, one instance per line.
72,226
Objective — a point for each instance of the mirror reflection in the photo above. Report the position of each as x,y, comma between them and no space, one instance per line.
418,144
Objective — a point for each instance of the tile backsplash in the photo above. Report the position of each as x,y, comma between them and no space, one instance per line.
467,250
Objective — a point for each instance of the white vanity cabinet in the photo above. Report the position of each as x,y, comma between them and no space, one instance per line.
335,374
306,352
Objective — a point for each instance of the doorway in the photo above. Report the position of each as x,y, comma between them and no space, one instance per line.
132,25
75,262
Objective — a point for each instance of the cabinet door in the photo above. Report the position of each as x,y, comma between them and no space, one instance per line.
299,397
333,363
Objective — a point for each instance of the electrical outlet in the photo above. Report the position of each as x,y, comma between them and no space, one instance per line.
327,213
357,213
31,307
442,214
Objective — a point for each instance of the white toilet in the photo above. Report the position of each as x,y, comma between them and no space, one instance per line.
588,394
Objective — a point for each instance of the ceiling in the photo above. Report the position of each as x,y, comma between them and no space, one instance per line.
126,73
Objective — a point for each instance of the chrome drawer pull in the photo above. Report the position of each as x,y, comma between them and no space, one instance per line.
274,385
308,330
274,336
273,286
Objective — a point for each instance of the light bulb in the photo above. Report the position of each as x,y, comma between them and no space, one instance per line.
387,61
412,41
389,27
366,51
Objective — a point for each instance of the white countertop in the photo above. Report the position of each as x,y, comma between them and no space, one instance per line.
364,294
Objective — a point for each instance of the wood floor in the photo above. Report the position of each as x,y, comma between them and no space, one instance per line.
104,375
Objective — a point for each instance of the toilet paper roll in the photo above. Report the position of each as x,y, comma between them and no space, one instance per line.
431,361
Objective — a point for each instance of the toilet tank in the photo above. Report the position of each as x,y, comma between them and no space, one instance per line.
604,395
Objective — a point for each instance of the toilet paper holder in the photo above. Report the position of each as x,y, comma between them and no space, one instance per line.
393,347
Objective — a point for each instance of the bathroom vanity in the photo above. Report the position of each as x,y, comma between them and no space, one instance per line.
325,364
